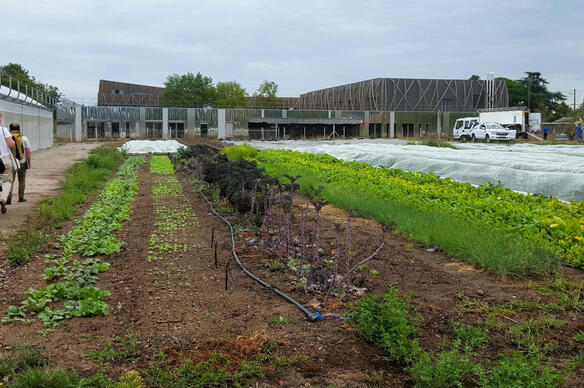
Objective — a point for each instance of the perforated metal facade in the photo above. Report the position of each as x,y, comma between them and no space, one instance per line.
407,95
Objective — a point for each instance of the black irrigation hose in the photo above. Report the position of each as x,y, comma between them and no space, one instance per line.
311,317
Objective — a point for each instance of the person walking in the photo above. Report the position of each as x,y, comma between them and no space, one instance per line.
21,152
545,133
6,165
579,133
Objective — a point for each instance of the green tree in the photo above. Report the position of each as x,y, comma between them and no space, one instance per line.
516,90
266,96
19,73
539,97
188,90
231,95
531,92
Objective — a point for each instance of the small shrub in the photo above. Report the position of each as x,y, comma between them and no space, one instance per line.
446,369
521,371
579,337
387,322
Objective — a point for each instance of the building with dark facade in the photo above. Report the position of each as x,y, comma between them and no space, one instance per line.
112,93
409,95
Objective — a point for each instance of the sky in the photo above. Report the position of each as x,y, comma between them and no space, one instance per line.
301,45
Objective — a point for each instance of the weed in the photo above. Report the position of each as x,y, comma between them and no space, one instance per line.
446,369
46,378
375,378
281,319
22,357
519,370
119,350
579,337
22,246
470,337
387,322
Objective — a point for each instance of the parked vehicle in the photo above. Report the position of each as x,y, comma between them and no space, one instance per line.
491,132
462,128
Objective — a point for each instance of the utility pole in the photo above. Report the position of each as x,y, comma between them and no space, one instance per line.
529,96
574,104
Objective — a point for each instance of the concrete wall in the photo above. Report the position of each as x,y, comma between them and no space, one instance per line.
35,123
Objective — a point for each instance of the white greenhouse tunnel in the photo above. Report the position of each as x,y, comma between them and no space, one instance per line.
552,170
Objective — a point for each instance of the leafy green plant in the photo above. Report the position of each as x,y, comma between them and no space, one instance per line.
579,337
238,152
446,369
281,319
470,337
387,322
518,370
91,235
161,165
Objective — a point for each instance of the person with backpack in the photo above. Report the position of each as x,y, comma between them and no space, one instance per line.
6,165
21,152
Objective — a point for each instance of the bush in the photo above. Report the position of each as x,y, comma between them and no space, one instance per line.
386,321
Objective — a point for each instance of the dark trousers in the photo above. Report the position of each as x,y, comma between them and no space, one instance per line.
21,182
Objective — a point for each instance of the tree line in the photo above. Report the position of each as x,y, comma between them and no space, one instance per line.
190,90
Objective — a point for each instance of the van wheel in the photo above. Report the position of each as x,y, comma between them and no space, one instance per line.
487,139
463,139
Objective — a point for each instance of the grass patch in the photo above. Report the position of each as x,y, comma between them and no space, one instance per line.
82,180
20,358
23,245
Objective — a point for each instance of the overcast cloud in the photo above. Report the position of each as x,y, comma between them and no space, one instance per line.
301,45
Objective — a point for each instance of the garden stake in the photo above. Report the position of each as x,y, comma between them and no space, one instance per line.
212,236
227,272
215,255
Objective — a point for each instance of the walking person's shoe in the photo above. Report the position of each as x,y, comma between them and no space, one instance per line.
9,200
21,199
2,207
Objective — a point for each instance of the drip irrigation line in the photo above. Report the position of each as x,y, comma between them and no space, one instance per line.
311,317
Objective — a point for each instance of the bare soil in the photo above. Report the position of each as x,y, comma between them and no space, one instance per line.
179,303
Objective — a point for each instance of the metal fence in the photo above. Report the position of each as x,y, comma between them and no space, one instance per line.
15,90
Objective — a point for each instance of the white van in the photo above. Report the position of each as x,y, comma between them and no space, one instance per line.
462,128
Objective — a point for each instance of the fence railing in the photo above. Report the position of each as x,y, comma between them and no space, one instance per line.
18,91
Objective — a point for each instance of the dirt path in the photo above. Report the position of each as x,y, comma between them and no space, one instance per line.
44,179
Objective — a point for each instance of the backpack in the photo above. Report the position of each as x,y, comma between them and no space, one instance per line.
18,150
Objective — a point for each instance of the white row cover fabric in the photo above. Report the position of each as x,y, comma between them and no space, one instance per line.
551,170
151,146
